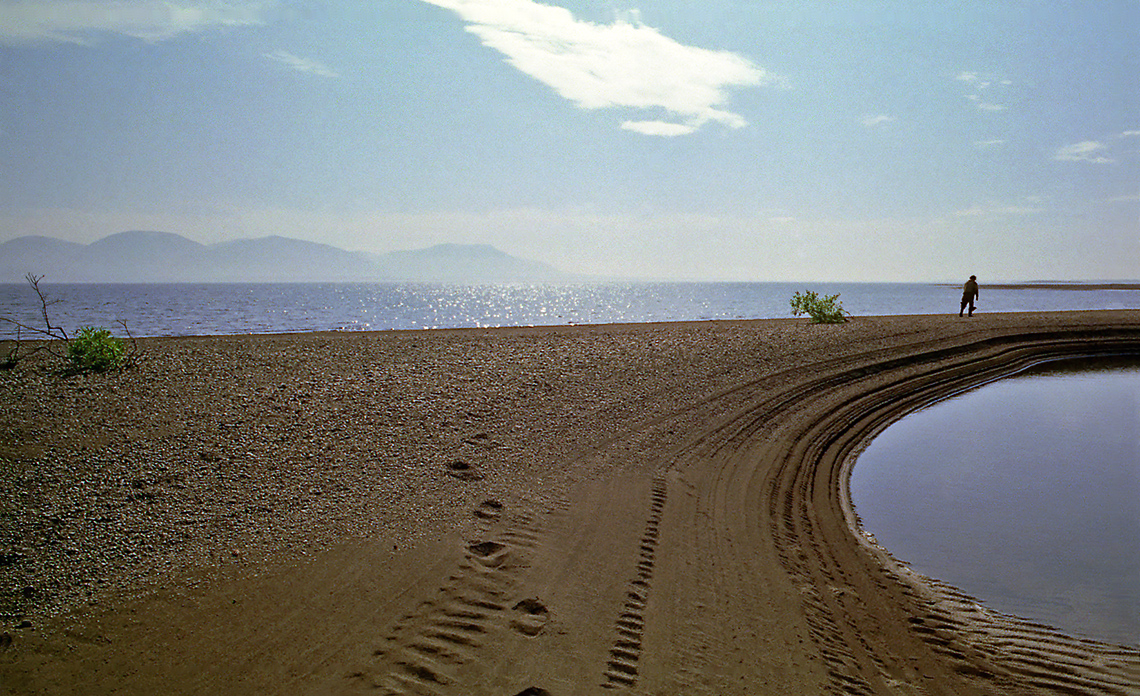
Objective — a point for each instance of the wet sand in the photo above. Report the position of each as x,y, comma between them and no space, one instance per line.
656,509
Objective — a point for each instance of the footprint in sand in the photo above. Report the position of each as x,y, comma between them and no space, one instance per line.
489,553
533,691
530,617
463,471
489,510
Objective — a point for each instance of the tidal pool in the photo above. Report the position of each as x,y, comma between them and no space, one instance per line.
1025,493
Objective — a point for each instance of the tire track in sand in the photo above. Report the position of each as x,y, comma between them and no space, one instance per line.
622,666
775,471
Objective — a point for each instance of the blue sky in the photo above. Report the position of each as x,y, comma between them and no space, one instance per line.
846,140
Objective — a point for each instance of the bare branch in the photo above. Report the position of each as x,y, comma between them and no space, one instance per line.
53,331
9,361
50,332
134,353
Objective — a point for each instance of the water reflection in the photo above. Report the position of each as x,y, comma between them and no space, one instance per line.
1024,493
237,308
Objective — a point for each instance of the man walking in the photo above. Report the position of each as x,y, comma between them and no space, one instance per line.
969,294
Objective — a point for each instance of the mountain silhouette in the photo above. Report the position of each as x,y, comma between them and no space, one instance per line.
140,256
279,259
163,257
480,263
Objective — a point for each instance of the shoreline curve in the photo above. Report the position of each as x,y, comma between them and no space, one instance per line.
988,649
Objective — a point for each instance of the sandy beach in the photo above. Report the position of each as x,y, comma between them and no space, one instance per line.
645,508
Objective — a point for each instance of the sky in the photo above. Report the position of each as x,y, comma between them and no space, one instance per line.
849,140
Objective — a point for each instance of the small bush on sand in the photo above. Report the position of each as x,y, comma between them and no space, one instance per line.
93,349
96,349
822,310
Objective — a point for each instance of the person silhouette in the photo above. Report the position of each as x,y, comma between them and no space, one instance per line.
969,294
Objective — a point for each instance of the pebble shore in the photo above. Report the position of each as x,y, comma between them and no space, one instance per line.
656,507
224,451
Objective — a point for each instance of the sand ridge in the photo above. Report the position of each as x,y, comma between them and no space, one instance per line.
651,509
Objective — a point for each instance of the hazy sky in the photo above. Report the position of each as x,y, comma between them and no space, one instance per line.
839,140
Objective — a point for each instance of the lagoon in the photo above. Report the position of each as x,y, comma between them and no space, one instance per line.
1025,493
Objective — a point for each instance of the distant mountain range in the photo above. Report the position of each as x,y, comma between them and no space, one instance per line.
162,257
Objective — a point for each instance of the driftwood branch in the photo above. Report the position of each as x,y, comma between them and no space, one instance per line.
49,332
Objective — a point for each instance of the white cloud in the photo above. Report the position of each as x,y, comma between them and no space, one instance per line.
872,121
982,82
983,105
979,84
989,143
1130,134
1085,151
621,65
305,65
991,210
661,128
74,21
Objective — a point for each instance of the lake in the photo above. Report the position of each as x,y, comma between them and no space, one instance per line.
237,308
1025,493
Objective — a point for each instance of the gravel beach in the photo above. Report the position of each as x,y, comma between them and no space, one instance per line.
656,508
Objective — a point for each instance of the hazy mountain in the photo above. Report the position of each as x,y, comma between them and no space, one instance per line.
130,257
162,257
284,259
33,254
480,263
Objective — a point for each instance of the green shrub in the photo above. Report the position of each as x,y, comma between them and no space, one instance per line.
822,310
96,349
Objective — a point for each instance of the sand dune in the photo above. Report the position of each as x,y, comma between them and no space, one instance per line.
648,509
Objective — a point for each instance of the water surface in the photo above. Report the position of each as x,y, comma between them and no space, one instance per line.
238,308
1024,493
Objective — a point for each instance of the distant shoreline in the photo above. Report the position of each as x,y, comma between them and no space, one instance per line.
226,309
1058,286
